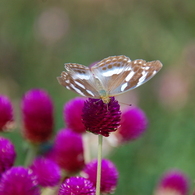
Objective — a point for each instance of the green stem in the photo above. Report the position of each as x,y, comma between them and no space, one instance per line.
86,148
99,163
31,154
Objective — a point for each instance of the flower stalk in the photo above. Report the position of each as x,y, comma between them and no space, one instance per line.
31,154
98,181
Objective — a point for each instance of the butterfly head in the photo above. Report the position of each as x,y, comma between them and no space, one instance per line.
104,96
105,99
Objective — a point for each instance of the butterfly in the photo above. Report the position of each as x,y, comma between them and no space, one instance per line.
110,77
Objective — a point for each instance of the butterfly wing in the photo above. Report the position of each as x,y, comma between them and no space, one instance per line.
119,74
79,79
139,73
111,71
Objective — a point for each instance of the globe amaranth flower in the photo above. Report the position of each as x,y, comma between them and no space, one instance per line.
101,118
173,182
133,123
19,181
37,113
77,186
47,172
7,154
68,150
109,175
6,113
72,114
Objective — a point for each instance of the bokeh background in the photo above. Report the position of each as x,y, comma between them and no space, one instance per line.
37,37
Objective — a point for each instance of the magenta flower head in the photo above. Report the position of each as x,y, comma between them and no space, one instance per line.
19,181
6,113
173,182
101,118
73,114
7,154
133,123
68,150
47,172
37,112
77,186
109,175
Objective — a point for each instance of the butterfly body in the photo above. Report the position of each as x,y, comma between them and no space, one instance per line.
103,94
110,77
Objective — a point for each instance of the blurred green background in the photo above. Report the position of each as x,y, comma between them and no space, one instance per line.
37,37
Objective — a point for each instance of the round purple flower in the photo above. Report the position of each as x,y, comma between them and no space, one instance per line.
19,181
77,186
133,123
7,154
6,113
101,118
174,182
37,113
109,175
47,172
73,114
68,150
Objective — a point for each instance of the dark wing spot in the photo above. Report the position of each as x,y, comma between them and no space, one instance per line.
109,66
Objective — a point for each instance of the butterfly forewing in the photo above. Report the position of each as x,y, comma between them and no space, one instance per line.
111,71
78,79
139,72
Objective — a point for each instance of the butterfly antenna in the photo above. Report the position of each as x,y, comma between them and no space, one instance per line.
125,104
97,101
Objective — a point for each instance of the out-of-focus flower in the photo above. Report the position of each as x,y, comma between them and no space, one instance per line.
109,175
77,186
37,113
73,114
173,182
133,123
47,172
6,113
52,25
7,154
189,55
174,89
68,150
19,181
127,99
101,118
